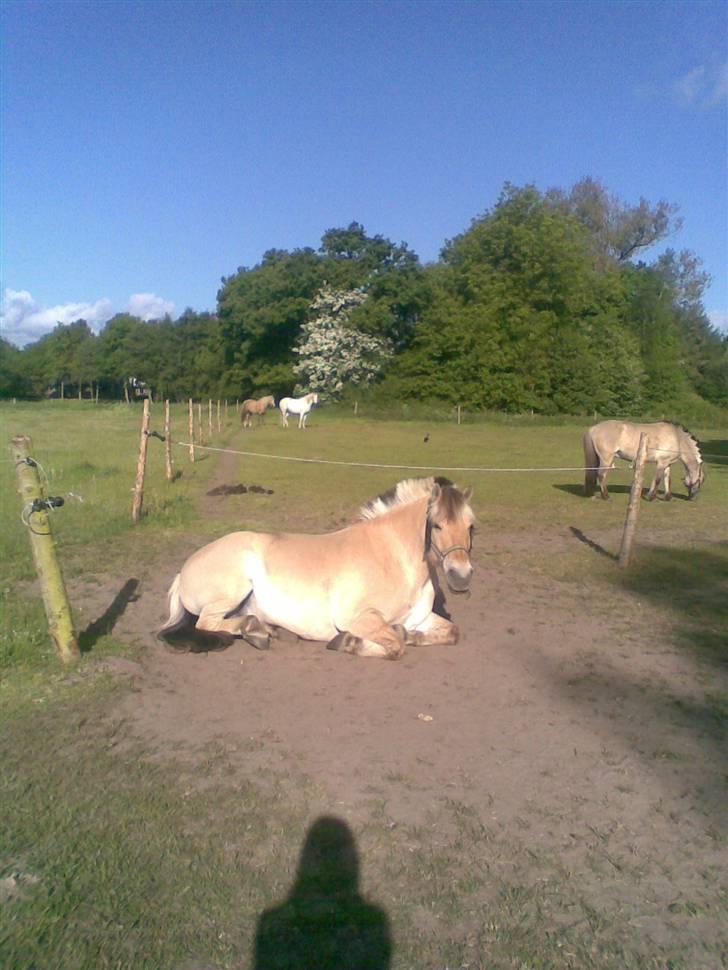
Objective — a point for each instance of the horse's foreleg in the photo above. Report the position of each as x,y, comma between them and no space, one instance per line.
369,635
667,491
434,630
659,475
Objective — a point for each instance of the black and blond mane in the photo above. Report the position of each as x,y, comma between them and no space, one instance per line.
690,436
410,490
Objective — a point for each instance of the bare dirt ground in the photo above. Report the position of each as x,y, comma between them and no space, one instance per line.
573,725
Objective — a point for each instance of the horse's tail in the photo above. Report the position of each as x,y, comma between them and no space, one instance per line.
591,461
178,615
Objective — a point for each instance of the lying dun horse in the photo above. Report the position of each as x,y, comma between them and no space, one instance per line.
297,405
368,589
666,444
253,406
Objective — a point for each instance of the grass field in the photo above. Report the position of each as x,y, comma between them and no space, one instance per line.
116,854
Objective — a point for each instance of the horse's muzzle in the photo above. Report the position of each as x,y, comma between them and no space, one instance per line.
457,580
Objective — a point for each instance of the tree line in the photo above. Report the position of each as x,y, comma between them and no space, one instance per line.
547,302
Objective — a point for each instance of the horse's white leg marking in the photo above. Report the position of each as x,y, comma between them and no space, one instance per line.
433,630
666,485
369,635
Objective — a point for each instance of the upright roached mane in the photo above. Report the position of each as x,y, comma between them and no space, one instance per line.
666,443
368,589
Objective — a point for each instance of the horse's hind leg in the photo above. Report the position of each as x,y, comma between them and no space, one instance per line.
602,477
255,632
369,635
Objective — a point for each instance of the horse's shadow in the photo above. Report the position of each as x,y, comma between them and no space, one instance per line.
578,490
107,621
715,452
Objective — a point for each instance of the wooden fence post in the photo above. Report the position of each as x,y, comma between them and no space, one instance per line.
458,414
635,496
192,431
200,438
136,505
55,601
167,444
356,408
219,426
226,417
209,417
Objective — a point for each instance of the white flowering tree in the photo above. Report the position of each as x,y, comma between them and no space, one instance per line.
331,353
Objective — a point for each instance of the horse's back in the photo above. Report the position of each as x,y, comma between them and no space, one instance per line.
623,437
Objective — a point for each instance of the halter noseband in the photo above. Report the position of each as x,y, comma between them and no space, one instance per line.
446,553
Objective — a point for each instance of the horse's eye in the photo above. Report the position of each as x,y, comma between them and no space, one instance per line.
436,526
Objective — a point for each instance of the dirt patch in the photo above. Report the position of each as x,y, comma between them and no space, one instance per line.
580,728
239,489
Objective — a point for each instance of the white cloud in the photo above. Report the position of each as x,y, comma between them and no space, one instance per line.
23,320
148,306
719,319
702,87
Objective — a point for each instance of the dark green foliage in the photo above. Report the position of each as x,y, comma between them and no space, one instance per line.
524,318
13,382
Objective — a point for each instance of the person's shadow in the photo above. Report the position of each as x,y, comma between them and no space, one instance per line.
325,924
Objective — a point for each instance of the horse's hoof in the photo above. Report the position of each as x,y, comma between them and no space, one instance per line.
343,641
261,641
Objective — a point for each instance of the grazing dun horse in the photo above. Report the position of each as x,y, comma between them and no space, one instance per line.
666,444
253,406
368,589
297,405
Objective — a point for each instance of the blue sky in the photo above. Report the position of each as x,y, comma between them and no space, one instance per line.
150,148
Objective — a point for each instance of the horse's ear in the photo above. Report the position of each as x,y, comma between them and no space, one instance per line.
435,493
468,493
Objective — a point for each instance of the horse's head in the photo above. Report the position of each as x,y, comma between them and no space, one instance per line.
694,479
450,526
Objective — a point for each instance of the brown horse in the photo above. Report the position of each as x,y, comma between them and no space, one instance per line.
666,444
368,589
253,406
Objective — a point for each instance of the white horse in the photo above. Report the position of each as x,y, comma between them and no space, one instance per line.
297,405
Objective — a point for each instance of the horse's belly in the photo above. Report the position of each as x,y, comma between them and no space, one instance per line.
307,616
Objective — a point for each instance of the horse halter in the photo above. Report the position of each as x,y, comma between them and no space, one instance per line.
446,553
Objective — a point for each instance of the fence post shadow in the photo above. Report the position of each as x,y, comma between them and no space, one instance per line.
106,622
578,534
325,924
